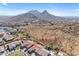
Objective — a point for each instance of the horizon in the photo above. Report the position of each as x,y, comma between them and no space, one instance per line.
57,9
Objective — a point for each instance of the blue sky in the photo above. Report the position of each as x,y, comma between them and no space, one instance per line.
58,9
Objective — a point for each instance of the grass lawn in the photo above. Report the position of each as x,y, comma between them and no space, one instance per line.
18,48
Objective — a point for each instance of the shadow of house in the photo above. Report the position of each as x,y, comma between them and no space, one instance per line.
1,41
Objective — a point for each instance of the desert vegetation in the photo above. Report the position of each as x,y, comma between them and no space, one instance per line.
62,36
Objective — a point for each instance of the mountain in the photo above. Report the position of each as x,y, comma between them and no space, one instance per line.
20,19
43,15
35,12
35,16
46,16
46,13
32,17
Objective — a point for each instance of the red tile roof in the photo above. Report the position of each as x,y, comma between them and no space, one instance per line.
8,37
39,50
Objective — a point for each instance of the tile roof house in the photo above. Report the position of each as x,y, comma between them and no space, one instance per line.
60,54
31,50
10,47
30,46
27,43
35,47
13,44
8,37
42,52
17,43
39,50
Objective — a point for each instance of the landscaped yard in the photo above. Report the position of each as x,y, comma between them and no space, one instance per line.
17,48
20,37
17,53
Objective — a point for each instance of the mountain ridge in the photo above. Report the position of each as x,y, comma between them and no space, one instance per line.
34,16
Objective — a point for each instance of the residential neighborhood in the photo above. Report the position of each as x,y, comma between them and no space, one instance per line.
25,46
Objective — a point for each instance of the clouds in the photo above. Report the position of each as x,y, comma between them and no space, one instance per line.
5,4
12,12
76,10
61,12
58,10
53,12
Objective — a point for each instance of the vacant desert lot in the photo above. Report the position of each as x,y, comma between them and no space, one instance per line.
57,36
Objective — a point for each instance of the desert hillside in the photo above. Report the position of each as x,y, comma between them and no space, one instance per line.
62,36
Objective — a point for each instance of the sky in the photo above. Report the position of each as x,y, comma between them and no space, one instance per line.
58,9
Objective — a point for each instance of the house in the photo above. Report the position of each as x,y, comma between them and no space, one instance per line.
29,44
1,50
61,53
35,48
38,50
10,47
26,43
7,37
17,43
13,44
31,49
41,51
